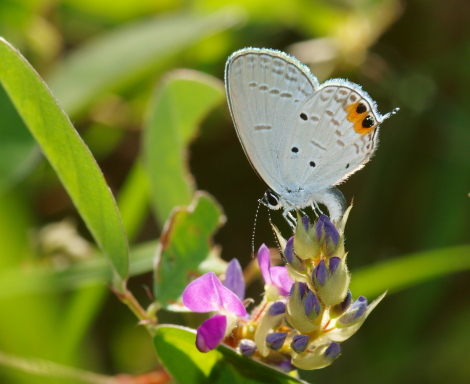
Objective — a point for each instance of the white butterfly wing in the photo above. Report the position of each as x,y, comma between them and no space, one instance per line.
265,90
297,134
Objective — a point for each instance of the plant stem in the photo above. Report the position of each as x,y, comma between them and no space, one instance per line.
144,318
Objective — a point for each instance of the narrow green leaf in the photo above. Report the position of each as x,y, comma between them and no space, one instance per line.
17,146
180,103
409,270
184,244
176,349
129,53
68,155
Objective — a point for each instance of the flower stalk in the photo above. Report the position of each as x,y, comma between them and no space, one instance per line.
146,318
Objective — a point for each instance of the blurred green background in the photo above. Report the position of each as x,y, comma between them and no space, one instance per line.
103,59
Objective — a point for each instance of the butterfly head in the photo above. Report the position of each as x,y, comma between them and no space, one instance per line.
271,200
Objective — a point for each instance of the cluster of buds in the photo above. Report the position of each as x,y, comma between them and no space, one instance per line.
307,309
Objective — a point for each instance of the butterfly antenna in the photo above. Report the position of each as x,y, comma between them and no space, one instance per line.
254,230
387,115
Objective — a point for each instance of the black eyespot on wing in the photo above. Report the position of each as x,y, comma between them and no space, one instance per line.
312,164
295,149
347,166
303,116
368,122
361,108
272,198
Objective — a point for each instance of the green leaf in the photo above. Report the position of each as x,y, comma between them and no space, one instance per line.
176,349
409,270
184,244
68,155
129,53
180,103
17,146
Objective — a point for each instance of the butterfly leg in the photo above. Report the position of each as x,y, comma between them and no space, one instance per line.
289,218
316,209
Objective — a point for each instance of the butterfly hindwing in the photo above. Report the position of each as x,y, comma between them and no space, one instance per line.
334,142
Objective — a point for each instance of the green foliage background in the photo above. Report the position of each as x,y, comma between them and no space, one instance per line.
103,61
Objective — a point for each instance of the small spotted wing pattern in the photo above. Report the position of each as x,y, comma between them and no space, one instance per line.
297,134
265,92
335,134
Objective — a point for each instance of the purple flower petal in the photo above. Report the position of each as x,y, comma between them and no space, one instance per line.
320,225
334,263
361,302
306,222
299,343
302,290
202,294
247,347
276,340
331,231
347,301
321,273
264,263
350,316
211,333
289,251
292,288
207,294
291,257
230,302
234,279
311,303
281,279
277,308
333,351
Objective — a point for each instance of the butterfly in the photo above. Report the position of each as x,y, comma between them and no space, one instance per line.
301,137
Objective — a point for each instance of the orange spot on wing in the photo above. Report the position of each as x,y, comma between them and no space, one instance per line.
357,118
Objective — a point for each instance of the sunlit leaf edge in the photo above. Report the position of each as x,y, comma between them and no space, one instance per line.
36,105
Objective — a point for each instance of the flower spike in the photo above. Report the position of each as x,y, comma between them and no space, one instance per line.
307,308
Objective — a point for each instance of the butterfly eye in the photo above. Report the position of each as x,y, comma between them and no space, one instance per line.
271,198
368,122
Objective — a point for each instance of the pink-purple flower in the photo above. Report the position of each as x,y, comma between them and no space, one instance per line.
208,294
276,276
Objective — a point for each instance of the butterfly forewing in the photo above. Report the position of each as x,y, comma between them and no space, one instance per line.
297,134
265,90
